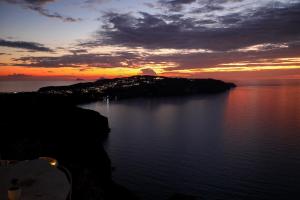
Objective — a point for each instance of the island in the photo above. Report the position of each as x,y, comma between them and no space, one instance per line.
136,86
49,123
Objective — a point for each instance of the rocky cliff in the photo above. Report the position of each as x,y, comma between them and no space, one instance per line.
34,126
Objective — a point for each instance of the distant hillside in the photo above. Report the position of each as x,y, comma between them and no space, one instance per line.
138,86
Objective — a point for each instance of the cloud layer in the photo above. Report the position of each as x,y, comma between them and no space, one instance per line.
31,46
38,6
80,60
266,25
184,36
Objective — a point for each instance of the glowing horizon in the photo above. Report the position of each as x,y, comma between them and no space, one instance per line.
166,38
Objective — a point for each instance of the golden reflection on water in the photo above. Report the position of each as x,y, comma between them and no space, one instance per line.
264,107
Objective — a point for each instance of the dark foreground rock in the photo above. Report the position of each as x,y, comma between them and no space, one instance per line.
33,126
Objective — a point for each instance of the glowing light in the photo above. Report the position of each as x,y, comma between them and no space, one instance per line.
53,162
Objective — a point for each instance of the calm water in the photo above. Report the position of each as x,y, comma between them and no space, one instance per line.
29,86
244,144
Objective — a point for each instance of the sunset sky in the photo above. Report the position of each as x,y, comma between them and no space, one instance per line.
235,40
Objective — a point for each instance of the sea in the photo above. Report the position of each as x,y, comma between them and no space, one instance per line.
240,144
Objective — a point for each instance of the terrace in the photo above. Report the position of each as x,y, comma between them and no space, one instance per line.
40,179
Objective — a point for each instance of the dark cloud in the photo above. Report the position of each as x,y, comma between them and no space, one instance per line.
225,39
150,5
215,59
266,25
36,2
175,5
38,6
95,1
56,15
202,5
77,60
78,51
231,19
148,71
208,8
183,60
31,46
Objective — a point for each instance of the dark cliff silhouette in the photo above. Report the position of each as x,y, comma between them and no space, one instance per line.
33,126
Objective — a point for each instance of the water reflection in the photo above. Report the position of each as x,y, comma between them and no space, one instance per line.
244,144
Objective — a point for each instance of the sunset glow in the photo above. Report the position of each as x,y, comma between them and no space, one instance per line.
93,42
